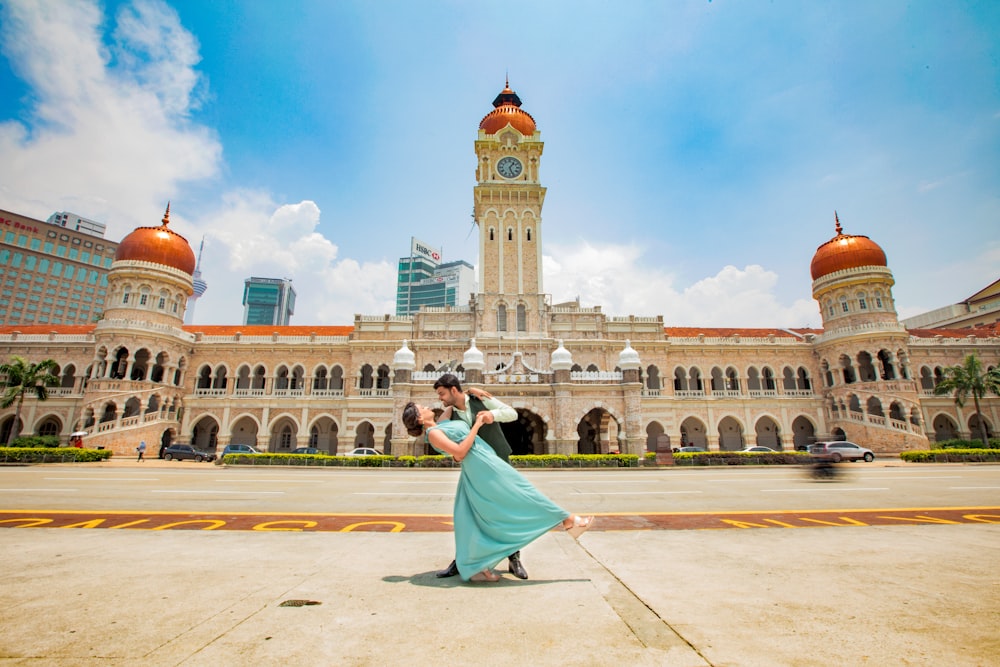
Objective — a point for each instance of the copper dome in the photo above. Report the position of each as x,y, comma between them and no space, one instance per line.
508,110
158,245
845,251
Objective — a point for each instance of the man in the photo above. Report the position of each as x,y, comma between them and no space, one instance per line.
466,407
141,449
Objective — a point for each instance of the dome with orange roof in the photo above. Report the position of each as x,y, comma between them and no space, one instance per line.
508,111
158,245
845,251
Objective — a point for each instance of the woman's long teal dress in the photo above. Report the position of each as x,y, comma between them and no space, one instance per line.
497,510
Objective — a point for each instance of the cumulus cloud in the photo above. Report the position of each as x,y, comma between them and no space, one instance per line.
624,282
111,136
252,235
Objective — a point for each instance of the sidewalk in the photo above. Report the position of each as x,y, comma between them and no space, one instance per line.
918,595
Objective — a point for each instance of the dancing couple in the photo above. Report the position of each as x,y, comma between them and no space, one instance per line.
497,511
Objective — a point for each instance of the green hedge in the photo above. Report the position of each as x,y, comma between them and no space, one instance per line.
971,455
35,441
50,455
966,444
432,461
741,458
308,460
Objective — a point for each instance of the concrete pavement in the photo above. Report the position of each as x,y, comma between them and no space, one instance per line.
899,595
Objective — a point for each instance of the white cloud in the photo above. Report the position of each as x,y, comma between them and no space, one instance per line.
112,140
620,280
251,235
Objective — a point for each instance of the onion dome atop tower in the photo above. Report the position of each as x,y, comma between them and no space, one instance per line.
508,110
404,359
158,245
845,251
562,359
473,359
628,358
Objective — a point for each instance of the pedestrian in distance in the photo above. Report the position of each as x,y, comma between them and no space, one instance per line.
142,450
497,510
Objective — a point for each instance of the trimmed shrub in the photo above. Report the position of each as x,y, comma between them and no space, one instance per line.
971,455
35,441
52,455
966,444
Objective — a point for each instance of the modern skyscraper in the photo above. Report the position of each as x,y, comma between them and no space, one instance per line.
423,281
51,275
268,301
77,223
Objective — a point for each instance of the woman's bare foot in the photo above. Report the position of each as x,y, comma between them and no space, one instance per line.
577,525
485,575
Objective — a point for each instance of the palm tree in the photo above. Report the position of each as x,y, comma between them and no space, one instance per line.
970,378
21,377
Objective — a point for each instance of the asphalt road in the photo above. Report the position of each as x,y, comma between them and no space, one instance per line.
192,487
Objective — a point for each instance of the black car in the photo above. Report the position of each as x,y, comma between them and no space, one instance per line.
181,452
306,450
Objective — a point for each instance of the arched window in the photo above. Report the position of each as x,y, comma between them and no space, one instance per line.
522,318
501,317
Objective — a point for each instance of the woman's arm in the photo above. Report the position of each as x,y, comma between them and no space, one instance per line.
457,450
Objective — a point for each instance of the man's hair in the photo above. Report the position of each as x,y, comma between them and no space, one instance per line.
448,380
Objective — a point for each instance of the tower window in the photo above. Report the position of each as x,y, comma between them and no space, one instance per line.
529,233
501,317
510,233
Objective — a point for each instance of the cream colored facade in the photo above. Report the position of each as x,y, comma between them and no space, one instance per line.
580,380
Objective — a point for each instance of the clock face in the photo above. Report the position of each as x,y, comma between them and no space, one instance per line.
509,167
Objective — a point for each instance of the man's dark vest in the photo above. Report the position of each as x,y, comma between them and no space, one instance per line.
491,433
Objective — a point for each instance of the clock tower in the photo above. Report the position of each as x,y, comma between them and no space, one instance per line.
508,210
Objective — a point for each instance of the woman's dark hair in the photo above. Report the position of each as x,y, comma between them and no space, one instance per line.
411,419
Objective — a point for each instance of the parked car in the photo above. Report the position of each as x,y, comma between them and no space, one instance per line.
181,452
841,450
306,450
759,448
364,451
692,449
239,449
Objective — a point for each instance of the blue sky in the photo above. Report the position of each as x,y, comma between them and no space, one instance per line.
695,151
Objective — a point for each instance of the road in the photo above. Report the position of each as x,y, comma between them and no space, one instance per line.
422,499
894,569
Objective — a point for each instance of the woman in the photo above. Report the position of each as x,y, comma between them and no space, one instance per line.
497,510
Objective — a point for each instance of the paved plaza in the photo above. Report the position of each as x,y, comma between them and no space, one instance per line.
920,593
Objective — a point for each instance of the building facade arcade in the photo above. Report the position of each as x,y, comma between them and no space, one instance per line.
581,381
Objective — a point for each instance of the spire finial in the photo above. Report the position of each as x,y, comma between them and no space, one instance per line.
840,230
166,216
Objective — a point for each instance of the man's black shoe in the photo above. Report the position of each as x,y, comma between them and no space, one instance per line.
515,567
449,571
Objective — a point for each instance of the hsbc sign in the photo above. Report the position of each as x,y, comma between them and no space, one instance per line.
421,249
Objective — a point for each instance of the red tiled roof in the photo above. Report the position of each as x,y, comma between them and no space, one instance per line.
267,330
690,332
982,331
35,329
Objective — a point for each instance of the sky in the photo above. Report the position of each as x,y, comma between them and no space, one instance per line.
695,151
